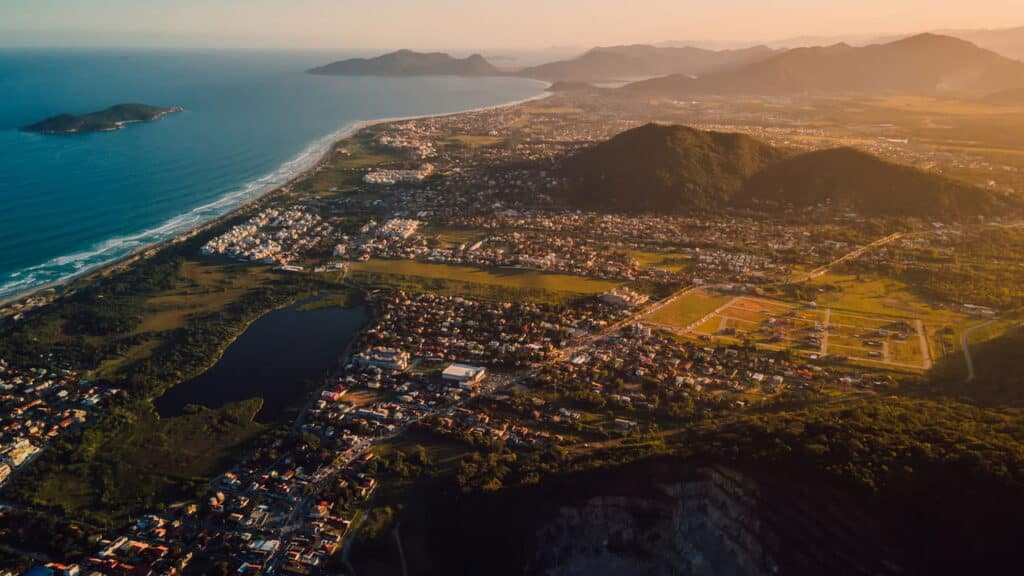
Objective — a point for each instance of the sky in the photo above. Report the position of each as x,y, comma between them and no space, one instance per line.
474,24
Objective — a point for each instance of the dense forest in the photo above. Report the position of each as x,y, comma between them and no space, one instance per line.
932,487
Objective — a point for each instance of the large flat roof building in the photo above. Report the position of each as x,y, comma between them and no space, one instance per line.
463,374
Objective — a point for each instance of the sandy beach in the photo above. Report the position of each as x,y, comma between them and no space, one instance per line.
46,293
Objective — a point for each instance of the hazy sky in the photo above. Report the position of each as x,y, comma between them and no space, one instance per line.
474,24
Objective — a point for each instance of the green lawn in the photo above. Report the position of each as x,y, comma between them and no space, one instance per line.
670,261
688,309
471,281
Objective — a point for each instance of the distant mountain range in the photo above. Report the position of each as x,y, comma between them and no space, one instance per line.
674,169
1007,42
409,63
113,118
639,61
926,64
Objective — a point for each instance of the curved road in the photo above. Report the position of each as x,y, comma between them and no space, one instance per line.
965,344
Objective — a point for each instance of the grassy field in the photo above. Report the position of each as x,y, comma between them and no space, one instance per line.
888,297
688,309
203,287
488,283
474,141
664,260
870,338
345,298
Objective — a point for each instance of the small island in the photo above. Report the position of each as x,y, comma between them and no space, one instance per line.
113,118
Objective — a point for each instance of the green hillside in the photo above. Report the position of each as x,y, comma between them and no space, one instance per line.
112,118
849,178
664,169
675,169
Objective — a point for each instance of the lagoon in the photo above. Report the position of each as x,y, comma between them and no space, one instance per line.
278,358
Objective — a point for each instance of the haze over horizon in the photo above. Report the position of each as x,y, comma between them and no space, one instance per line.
466,25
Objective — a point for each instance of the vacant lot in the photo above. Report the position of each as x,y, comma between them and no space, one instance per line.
687,309
488,283
870,338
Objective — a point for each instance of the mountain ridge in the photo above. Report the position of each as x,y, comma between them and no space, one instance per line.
926,64
641,60
409,63
677,169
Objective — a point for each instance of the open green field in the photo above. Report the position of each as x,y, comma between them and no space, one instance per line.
474,141
670,261
202,287
489,283
688,309
864,337
887,297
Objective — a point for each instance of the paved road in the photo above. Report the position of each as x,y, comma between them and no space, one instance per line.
821,270
965,344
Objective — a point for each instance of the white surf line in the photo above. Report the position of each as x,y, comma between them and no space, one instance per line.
113,250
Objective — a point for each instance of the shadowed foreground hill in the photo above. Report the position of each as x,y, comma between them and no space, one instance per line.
658,168
999,374
673,169
868,487
849,178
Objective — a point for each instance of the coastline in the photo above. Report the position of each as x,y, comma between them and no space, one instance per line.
327,143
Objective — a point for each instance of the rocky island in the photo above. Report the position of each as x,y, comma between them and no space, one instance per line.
409,63
113,118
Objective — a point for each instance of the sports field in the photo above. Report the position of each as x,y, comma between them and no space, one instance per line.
870,338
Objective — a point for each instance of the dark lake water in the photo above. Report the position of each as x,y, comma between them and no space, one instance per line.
270,360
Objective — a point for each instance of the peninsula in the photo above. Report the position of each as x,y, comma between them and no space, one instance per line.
113,118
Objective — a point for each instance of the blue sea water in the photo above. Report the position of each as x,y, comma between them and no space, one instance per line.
251,121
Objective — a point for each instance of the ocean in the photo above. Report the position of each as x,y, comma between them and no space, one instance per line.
251,122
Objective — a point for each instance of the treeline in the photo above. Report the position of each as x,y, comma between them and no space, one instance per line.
931,487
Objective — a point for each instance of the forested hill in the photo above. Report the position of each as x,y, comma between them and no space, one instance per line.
875,486
658,168
409,63
849,178
674,169
113,118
